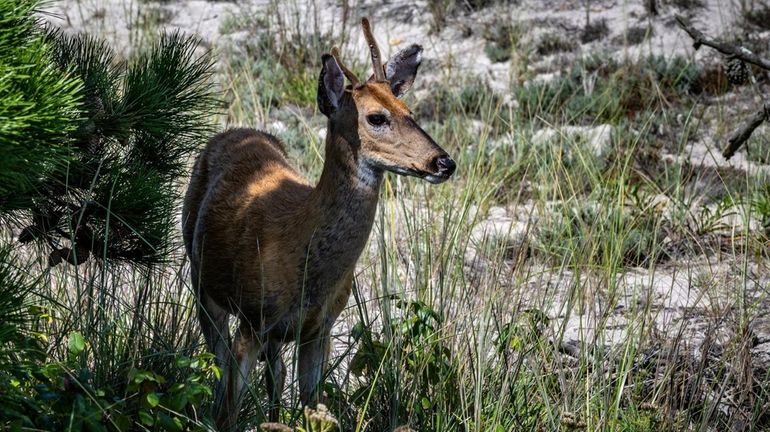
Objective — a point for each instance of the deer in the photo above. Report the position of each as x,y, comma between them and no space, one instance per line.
279,254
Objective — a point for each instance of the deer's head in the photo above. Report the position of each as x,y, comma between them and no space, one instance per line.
372,118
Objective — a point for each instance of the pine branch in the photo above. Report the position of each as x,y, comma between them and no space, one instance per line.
38,104
120,131
743,133
167,101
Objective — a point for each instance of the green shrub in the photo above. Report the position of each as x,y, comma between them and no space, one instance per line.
761,205
501,37
600,89
552,43
758,147
594,30
39,393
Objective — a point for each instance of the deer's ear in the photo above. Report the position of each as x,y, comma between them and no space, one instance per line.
402,69
331,86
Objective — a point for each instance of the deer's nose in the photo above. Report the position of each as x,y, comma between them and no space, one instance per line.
446,166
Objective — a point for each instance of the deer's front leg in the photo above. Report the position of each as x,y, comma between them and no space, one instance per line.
313,356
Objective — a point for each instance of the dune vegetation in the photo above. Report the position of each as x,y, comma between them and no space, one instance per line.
594,264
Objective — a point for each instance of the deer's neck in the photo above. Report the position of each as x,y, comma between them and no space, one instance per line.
345,200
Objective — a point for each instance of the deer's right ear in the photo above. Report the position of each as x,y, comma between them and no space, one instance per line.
402,69
331,86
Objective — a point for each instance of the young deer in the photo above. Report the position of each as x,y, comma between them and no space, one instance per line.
279,254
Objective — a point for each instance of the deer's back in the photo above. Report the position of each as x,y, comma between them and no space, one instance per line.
242,227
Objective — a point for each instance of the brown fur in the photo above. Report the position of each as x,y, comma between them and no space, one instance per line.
278,253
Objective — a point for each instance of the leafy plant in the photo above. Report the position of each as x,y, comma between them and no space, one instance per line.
423,363
61,396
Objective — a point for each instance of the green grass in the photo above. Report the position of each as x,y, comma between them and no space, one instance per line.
437,342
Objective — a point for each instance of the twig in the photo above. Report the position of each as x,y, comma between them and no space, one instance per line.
742,134
731,50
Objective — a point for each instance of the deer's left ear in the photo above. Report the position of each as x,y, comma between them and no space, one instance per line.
402,69
331,85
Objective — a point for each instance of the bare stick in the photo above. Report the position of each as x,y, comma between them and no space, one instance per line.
740,52
742,134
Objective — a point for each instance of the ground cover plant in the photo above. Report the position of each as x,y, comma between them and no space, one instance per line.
595,264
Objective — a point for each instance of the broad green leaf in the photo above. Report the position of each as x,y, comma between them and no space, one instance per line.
76,343
152,399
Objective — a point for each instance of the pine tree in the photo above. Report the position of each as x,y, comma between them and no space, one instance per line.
101,180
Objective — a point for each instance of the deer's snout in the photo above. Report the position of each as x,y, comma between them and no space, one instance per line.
443,167
446,166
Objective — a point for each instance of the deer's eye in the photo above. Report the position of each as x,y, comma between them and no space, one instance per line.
377,119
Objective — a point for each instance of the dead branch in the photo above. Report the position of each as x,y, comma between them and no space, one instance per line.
743,133
725,48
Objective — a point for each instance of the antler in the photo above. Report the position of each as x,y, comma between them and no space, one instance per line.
379,73
348,73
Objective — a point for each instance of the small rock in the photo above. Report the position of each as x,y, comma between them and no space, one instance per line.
477,127
498,233
659,203
544,78
497,213
510,102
